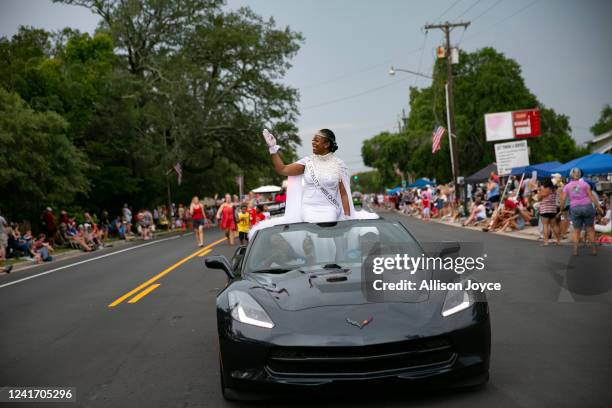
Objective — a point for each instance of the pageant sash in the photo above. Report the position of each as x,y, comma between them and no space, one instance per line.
310,168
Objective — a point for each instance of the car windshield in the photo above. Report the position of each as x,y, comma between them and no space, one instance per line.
310,247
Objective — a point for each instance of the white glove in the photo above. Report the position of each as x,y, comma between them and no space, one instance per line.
270,141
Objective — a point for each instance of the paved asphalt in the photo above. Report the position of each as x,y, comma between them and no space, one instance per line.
551,328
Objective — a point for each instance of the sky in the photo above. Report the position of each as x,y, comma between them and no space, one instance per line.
341,70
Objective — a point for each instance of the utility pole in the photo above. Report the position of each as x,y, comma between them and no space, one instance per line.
447,28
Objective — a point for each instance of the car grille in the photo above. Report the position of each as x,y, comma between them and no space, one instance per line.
349,361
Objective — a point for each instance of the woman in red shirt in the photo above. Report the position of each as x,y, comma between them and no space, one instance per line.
196,210
226,216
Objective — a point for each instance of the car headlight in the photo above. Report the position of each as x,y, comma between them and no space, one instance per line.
246,310
456,301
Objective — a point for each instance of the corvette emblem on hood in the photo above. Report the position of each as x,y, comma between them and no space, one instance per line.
361,324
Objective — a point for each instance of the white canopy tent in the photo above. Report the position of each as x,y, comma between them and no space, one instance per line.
267,189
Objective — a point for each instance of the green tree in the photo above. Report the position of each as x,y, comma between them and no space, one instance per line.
80,78
38,164
206,83
383,152
485,81
366,182
158,83
604,124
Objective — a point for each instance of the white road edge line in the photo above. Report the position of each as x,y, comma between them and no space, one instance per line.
89,260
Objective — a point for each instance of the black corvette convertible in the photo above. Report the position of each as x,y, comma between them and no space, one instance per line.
296,315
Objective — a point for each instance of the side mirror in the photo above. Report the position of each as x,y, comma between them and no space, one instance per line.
219,262
449,247
237,259
241,250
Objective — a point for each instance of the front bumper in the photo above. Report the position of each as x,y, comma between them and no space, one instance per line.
458,357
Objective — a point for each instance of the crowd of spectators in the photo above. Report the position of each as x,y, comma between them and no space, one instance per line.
86,231
89,232
506,204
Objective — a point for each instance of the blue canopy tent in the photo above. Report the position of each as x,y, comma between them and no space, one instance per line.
595,163
420,183
517,171
543,169
394,190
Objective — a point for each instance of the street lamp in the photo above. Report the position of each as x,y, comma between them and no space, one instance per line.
392,72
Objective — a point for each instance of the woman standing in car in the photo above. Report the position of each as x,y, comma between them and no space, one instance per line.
325,178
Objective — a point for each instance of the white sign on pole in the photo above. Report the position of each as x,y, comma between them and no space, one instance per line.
454,55
498,126
510,155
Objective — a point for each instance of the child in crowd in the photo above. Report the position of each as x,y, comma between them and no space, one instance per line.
252,211
244,224
259,214
425,201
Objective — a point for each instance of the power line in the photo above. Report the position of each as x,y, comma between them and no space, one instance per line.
354,73
467,10
346,76
519,11
461,38
487,10
354,95
416,78
447,10
503,20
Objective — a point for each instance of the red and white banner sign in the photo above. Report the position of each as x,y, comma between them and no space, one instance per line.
526,123
512,125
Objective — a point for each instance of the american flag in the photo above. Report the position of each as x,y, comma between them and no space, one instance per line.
437,139
179,171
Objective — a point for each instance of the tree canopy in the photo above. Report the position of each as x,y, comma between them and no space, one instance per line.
485,81
38,163
159,83
604,123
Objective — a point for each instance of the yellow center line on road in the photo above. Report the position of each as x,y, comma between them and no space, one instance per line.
208,251
144,293
163,273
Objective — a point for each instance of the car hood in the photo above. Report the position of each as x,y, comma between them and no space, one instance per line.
298,290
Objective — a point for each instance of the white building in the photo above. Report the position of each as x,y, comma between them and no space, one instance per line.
601,143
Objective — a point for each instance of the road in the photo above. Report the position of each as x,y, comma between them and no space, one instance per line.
551,329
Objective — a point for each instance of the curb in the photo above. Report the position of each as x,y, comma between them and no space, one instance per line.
513,234
76,253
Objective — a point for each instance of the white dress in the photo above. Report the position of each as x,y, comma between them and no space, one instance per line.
305,201
330,170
